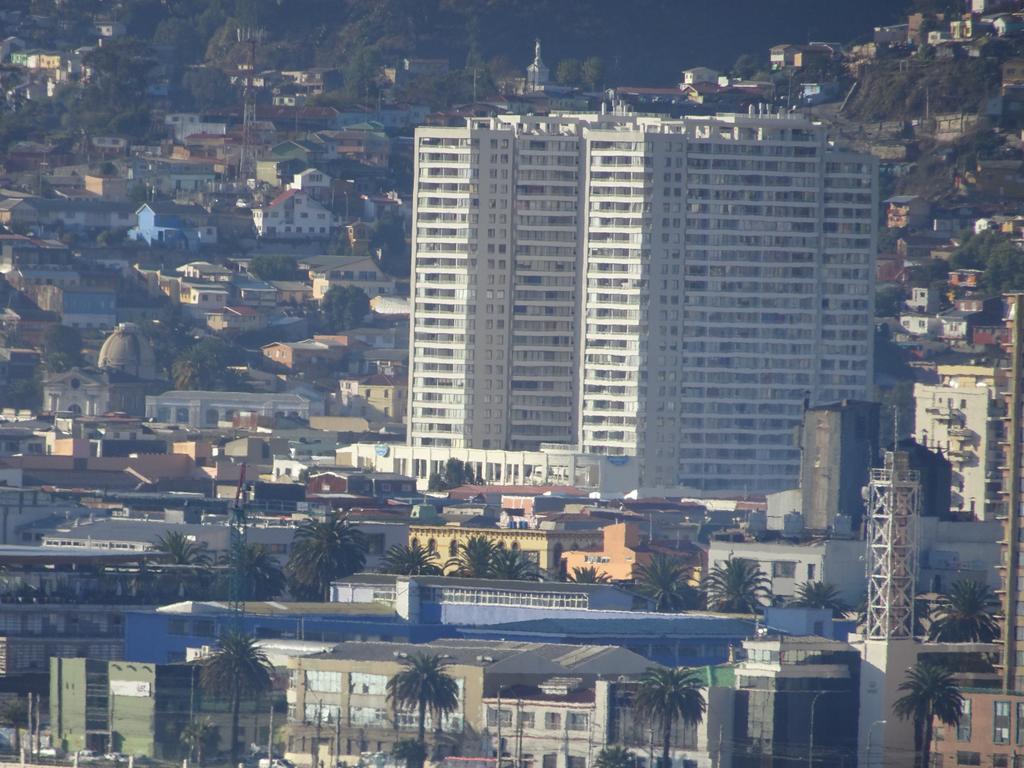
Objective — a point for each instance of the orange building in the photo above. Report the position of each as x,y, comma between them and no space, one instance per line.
622,551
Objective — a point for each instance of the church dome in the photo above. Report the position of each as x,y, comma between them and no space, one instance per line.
128,351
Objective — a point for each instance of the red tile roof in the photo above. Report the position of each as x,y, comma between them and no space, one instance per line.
286,195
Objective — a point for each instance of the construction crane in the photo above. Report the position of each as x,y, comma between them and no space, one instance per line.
238,524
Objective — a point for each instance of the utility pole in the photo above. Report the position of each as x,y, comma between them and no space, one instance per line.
314,750
337,738
270,734
30,731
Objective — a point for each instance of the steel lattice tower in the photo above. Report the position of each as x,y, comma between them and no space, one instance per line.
247,153
894,506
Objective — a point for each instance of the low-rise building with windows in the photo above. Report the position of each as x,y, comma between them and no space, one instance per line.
338,706
199,408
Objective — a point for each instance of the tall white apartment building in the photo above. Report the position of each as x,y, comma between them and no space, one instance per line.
670,292
962,416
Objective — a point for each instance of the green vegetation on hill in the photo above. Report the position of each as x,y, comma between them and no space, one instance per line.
895,90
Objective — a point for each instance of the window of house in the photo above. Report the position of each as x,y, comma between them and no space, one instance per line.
577,721
549,761
323,681
492,717
963,730
968,758
1000,761
784,568
1000,722
364,682
1020,723
324,712
576,762
526,719
552,721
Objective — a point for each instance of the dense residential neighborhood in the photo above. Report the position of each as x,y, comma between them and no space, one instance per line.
512,384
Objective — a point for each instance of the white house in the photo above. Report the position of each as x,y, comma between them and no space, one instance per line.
314,182
294,214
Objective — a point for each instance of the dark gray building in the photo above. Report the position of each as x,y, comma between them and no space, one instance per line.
797,702
838,445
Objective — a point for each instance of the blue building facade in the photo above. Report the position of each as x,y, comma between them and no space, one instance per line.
162,636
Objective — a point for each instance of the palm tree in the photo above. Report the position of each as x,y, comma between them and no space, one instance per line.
818,594
240,668
614,756
181,550
965,614
14,715
411,560
474,559
322,552
196,736
668,695
737,586
261,575
410,752
666,580
512,565
424,685
931,692
588,574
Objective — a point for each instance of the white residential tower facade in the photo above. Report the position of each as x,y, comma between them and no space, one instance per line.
670,292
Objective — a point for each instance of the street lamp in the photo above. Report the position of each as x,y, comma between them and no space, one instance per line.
871,730
810,743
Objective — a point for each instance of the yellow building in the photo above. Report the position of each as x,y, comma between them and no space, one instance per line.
543,547
376,397
623,551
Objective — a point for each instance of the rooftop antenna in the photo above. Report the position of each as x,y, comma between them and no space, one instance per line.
249,36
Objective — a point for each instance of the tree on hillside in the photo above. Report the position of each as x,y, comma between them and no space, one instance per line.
818,594
205,366
569,72
14,715
62,348
474,559
588,574
344,307
114,99
238,668
737,586
965,614
179,549
1005,271
206,88
592,73
424,686
666,580
273,267
198,737
513,565
322,552
668,696
262,577
389,236
931,693
411,560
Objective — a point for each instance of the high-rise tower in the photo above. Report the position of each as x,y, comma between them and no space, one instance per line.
665,292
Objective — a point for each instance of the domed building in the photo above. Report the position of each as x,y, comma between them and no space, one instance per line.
128,351
125,373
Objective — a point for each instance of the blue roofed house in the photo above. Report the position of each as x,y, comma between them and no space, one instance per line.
173,226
